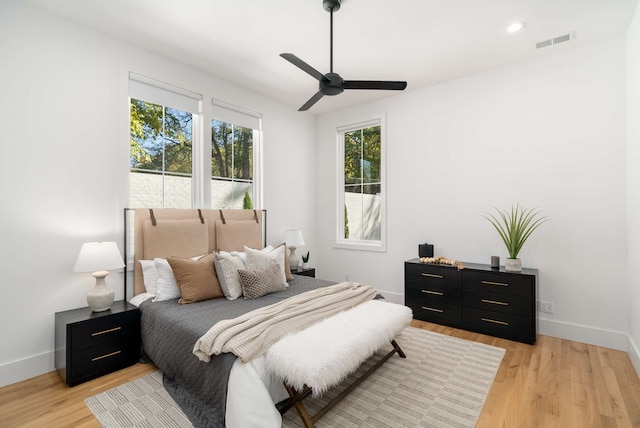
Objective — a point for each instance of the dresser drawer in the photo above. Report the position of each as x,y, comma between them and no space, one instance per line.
421,290
107,330
499,324
93,362
433,275
500,302
436,311
498,283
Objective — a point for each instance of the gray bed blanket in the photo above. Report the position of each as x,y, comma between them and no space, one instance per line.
169,333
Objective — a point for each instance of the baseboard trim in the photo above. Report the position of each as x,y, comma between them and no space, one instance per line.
393,297
585,334
26,368
634,355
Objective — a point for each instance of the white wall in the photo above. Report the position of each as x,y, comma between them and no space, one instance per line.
633,184
547,133
64,166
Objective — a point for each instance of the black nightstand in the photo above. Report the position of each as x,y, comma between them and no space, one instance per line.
305,272
91,344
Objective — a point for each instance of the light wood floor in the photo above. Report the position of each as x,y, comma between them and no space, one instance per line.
555,383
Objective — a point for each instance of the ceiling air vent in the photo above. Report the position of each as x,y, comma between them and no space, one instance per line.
556,40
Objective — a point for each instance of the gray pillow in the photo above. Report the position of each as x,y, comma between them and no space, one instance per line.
257,283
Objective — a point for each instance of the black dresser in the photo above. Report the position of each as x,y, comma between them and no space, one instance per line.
477,298
91,344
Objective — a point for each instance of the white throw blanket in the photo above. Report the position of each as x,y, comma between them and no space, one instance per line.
251,334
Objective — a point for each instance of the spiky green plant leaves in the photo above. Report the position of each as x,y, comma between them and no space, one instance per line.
516,226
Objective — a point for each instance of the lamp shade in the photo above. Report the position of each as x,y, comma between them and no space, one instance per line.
293,238
98,256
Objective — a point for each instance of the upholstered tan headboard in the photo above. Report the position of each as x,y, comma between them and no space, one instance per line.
165,232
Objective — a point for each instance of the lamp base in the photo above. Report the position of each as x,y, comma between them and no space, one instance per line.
100,298
293,259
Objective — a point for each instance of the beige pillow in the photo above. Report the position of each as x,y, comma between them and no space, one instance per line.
235,234
257,283
196,279
287,268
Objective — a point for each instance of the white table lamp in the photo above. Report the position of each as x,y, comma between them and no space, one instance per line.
293,238
99,258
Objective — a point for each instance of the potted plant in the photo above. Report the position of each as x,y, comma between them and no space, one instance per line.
515,228
305,260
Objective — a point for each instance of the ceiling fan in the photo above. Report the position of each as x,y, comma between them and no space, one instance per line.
331,83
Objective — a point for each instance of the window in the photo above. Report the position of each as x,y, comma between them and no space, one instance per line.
168,160
361,186
162,120
160,156
235,137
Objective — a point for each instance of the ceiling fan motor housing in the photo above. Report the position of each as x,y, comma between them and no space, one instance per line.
332,84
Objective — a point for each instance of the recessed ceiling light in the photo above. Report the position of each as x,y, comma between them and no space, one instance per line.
516,26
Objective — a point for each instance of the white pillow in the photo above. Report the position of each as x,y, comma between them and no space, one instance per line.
167,285
243,255
227,267
150,276
262,259
138,299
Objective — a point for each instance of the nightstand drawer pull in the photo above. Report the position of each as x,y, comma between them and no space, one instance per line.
432,275
494,302
501,284
437,293
432,309
106,331
106,356
495,321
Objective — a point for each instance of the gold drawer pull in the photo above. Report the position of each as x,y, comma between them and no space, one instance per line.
105,356
432,309
494,302
495,321
432,275
437,293
106,331
501,284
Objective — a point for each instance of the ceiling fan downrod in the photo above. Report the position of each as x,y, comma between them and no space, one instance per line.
331,6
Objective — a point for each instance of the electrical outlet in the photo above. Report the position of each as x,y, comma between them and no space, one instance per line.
346,277
546,307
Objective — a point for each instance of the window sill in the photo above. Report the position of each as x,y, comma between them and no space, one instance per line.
377,246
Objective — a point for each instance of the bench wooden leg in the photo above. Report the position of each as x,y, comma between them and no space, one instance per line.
398,350
296,397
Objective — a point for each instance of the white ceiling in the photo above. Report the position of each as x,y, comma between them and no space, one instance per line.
424,42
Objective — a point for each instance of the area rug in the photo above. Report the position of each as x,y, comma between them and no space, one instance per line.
443,382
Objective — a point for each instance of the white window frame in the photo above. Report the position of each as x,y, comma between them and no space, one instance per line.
353,244
161,93
247,118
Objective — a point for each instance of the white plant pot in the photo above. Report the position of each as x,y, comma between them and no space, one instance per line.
305,265
513,265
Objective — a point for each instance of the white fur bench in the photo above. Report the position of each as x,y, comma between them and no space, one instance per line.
323,355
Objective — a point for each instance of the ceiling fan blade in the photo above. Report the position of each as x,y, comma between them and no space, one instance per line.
302,65
314,99
375,84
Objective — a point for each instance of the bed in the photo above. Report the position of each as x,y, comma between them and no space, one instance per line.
215,393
